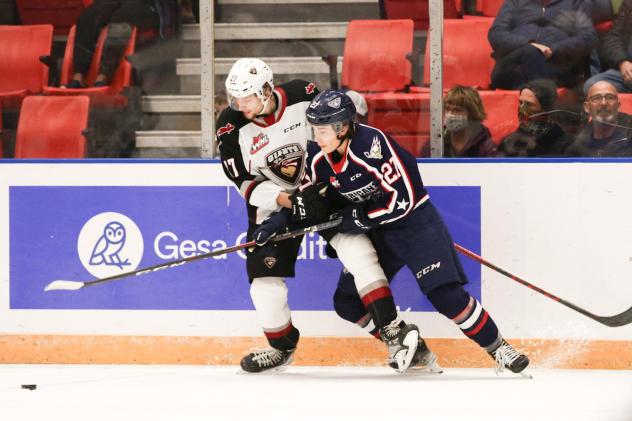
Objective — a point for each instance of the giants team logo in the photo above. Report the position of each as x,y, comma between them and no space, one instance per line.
225,129
270,262
110,243
309,89
258,143
287,162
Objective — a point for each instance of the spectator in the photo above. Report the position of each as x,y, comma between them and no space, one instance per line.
360,104
120,16
535,39
616,52
464,133
608,130
537,135
221,102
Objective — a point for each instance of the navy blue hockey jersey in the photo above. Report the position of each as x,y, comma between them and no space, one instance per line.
374,169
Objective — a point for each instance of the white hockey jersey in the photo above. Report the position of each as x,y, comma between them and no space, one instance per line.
267,155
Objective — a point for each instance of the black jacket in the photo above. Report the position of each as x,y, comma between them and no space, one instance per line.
563,25
521,144
617,44
619,144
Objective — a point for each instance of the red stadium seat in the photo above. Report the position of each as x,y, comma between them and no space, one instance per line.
62,14
21,71
52,127
626,103
1,136
502,112
375,55
100,96
467,54
417,10
406,116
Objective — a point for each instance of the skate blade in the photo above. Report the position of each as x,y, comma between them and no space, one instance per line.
431,367
523,374
426,369
405,356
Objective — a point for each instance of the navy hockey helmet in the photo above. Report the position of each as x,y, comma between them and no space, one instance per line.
331,107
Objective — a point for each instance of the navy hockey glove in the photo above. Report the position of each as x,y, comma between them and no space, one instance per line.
271,226
355,220
310,206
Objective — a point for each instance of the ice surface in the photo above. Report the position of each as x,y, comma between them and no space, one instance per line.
211,393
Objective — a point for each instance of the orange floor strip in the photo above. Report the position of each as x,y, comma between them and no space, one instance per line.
61,349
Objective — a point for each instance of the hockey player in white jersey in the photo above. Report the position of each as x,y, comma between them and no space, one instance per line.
262,140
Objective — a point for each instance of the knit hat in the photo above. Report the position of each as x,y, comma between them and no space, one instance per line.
545,91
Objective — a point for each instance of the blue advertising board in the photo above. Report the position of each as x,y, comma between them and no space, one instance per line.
85,233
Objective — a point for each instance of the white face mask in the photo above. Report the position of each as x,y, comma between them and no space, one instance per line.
455,122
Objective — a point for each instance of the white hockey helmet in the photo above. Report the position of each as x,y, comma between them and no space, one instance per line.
248,76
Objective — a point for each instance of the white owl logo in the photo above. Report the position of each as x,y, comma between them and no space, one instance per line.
109,245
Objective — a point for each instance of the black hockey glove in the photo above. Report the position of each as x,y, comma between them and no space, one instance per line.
309,206
355,220
271,226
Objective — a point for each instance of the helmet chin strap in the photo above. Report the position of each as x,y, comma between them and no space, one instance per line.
335,155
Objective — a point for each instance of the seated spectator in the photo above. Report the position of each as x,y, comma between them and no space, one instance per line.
537,135
541,40
360,105
616,52
221,102
464,133
607,132
120,16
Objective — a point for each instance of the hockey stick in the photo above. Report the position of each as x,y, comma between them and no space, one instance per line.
75,285
617,320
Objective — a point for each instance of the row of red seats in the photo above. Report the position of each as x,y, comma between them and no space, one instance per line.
62,14
383,72
52,127
23,68
417,10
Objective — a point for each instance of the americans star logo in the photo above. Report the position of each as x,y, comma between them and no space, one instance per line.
402,204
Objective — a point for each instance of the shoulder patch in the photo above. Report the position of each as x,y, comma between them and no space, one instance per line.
228,128
309,89
376,149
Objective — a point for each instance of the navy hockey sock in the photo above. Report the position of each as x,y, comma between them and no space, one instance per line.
469,315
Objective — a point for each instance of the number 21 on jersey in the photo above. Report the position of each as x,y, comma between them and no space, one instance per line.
390,171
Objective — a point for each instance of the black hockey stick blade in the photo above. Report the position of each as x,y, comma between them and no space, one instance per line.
63,285
617,320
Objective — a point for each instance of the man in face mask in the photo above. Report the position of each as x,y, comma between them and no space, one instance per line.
537,134
607,132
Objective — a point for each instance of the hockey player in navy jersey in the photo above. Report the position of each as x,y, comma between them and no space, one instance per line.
377,185
262,141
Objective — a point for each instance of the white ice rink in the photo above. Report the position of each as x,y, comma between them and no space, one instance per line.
210,393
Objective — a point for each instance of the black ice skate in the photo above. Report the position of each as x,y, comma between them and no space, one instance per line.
267,359
402,344
507,357
423,360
